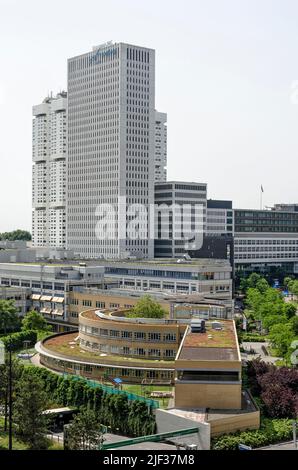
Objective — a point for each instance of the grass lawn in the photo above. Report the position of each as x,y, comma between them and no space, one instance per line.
64,345
141,390
18,444
24,362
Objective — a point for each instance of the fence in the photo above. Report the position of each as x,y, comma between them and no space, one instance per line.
115,391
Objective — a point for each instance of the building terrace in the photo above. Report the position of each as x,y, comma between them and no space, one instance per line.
221,339
66,346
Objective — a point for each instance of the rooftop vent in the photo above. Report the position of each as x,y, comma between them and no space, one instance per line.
216,325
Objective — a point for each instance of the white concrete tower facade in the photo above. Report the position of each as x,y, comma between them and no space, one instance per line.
49,151
160,147
111,128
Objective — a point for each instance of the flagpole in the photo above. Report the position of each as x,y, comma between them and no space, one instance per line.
261,197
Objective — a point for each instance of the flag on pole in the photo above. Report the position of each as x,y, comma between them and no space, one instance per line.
262,189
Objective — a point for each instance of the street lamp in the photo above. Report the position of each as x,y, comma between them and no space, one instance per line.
295,434
2,353
10,396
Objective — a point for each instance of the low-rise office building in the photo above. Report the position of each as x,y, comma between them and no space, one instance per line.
203,367
265,240
181,306
13,244
61,291
23,254
208,367
110,343
20,296
210,277
285,207
50,286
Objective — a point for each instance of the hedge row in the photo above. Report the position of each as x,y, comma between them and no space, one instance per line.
17,339
131,418
247,337
270,432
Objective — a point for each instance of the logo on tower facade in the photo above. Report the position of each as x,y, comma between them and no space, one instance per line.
99,55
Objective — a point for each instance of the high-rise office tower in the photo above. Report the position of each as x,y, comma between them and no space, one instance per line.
49,150
160,147
111,129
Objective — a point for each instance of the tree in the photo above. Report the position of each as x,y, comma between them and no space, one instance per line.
84,432
287,281
289,310
253,279
35,321
293,287
284,376
277,387
279,401
270,320
146,307
262,285
17,369
277,316
31,401
294,323
9,320
281,335
241,281
254,370
16,235
126,417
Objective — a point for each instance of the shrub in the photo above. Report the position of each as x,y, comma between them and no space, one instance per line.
271,431
284,376
255,369
279,401
251,337
17,339
277,388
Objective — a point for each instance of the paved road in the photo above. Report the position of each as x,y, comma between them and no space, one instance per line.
257,347
113,438
283,446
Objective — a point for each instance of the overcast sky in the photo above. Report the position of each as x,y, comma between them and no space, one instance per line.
226,74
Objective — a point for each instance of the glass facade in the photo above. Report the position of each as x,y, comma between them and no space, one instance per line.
266,221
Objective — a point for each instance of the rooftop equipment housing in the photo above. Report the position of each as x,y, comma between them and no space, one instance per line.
197,325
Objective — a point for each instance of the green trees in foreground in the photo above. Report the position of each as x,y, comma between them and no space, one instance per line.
17,370
31,401
132,418
35,389
277,316
10,322
16,340
292,285
275,390
9,319
35,321
270,432
84,432
276,387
